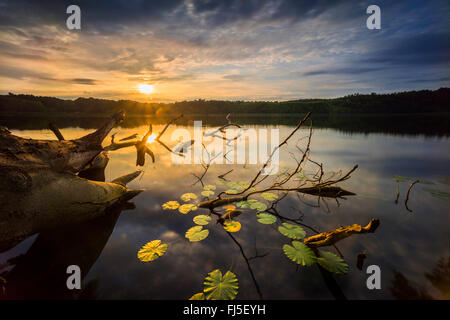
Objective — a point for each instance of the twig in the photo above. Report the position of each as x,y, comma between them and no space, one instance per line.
398,193
407,194
222,176
254,181
248,265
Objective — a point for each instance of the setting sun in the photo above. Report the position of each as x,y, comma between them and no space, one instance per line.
145,88
151,138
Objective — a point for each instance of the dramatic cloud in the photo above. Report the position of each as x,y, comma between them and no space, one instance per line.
228,49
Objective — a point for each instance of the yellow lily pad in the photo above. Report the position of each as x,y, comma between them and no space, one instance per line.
188,197
232,226
188,207
152,251
170,205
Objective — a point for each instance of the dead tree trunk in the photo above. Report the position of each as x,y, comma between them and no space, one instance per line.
40,188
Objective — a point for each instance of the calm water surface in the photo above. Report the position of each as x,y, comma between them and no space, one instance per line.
407,246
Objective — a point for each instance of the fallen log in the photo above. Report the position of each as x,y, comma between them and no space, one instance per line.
61,156
42,184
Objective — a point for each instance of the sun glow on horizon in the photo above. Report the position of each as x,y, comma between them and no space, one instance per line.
145,88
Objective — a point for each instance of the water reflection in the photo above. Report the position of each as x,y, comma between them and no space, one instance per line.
40,273
406,246
430,125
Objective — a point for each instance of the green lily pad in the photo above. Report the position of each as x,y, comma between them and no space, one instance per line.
266,218
197,233
299,253
269,196
209,187
332,262
202,219
246,204
152,251
243,184
259,206
217,287
292,231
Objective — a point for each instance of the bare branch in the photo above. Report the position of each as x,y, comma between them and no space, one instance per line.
56,131
331,237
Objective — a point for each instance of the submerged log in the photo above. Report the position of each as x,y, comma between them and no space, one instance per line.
327,192
331,237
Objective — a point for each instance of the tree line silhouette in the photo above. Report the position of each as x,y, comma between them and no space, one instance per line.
402,102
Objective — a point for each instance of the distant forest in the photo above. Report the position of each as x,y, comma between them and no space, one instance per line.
423,101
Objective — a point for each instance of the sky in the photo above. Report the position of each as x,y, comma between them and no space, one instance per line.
227,50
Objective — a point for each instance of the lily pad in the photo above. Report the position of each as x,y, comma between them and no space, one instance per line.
152,251
332,262
218,287
209,187
198,296
207,193
269,196
266,218
246,204
299,253
232,226
170,205
197,233
232,191
243,184
188,197
229,207
259,206
202,219
292,231
188,207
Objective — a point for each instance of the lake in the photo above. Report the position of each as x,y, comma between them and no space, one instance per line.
411,245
